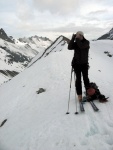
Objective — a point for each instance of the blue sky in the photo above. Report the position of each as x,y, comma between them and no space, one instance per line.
52,18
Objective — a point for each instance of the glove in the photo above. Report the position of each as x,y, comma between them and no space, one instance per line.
73,36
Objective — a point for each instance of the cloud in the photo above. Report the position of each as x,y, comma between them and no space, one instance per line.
91,31
25,10
55,17
98,12
56,6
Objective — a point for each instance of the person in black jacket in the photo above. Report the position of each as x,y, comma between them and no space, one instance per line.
80,60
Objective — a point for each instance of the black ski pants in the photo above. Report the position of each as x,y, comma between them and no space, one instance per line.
81,69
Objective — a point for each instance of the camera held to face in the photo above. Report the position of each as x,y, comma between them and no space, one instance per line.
74,36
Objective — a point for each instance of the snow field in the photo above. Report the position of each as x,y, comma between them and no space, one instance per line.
39,121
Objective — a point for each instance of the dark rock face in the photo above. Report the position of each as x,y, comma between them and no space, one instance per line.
108,35
15,57
41,90
4,36
3,122
9,73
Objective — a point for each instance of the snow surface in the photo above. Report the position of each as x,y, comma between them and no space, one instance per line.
39,121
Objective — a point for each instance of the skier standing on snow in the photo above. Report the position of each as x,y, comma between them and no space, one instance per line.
80,60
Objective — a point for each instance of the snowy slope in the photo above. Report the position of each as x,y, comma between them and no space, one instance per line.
38,121
16,54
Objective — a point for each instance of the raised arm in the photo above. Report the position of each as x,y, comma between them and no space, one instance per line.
71,43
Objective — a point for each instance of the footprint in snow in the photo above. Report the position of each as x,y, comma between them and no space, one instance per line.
93,131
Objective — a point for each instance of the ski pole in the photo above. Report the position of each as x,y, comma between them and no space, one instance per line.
75,95
70,90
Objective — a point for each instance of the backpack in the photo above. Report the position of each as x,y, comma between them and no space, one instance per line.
97,94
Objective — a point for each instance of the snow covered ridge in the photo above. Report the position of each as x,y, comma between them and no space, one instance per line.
108,35
56,46
16,54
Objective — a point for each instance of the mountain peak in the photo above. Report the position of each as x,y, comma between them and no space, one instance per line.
1,29
2,32
111,31
4,36
108,35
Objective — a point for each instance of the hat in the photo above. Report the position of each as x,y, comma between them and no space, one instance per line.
80,32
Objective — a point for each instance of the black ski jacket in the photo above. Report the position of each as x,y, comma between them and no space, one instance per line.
81,50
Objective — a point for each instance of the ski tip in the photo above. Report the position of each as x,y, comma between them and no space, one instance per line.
76,113
67,113
97,110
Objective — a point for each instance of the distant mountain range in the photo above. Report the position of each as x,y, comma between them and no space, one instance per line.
15,54
108,35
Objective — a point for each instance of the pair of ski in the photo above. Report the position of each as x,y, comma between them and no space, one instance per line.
81,105
91,103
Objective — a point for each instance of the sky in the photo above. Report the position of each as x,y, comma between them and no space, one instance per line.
52,18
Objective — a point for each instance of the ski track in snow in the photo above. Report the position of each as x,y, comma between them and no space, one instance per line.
39,122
